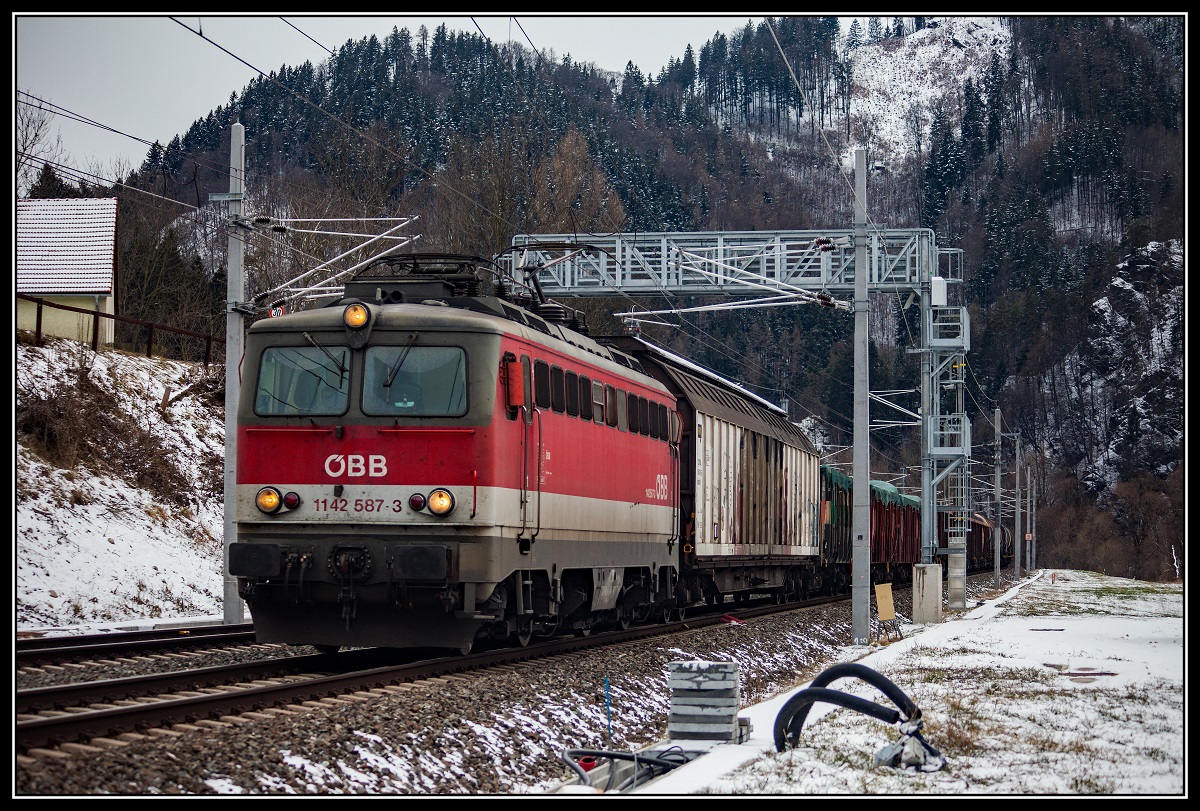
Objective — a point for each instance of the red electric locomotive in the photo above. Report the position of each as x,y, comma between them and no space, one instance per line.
424,463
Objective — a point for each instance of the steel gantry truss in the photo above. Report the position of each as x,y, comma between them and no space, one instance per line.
737,263
775,268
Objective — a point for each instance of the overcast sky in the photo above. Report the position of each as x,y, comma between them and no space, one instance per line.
150,77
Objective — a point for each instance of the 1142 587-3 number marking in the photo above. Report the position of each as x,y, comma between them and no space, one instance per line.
360,505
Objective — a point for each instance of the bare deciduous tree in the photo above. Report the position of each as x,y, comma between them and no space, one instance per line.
36,141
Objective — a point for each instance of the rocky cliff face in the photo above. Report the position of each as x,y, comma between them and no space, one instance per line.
1115,406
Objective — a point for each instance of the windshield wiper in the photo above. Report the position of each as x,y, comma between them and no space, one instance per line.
341,369
395,370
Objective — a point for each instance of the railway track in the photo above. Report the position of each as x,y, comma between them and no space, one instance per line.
90,716
36,651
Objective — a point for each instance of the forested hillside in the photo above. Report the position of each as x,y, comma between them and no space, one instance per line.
1048,149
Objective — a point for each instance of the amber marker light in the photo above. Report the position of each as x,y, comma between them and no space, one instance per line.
268,500
356,316
441,502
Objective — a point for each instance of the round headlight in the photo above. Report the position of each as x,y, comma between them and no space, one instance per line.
441,502
268,500
356,316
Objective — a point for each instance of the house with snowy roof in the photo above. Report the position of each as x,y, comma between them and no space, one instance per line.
67,255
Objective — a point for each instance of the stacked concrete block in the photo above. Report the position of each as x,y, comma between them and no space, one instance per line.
705,698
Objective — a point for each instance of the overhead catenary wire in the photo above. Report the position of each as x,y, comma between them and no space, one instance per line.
691,327
271,78
82,177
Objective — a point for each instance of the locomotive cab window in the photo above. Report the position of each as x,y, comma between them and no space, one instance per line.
415,381
303,380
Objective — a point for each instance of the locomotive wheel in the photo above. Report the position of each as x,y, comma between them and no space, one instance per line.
623,621
524,633
583,632
466,647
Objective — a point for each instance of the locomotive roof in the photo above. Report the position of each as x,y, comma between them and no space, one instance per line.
452,285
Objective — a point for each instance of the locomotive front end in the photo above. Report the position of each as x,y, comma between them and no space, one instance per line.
364,459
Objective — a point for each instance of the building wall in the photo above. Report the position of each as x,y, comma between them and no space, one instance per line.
66,324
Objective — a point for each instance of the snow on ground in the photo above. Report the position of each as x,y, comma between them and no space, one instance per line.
93,546
1071,683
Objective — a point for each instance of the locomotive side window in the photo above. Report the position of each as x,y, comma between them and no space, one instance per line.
598,402
558,397
611,397
558,389
654,429
584,393
664,424
415,381
622,411
303,380
643,416
541,383
632,412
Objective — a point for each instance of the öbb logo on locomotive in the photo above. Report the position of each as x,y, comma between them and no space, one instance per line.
524,478
355,465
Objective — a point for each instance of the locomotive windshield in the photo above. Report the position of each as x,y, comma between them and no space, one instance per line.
295,380
415,381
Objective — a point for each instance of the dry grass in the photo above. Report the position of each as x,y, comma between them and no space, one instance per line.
82,425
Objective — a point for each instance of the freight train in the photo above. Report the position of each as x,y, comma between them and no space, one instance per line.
442,456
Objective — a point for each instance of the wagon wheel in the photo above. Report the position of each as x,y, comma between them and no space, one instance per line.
794,587
466,647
